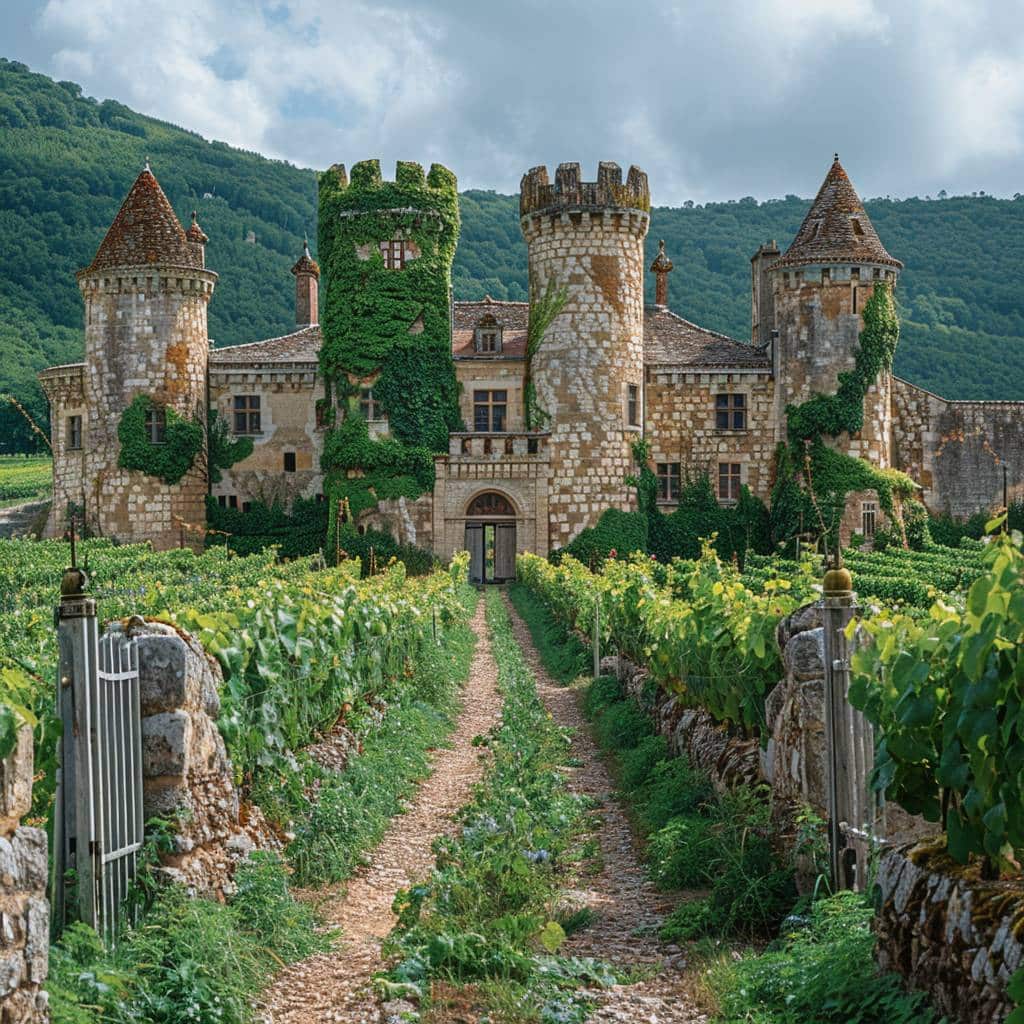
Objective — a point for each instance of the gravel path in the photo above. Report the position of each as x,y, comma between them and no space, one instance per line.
334,987
629,909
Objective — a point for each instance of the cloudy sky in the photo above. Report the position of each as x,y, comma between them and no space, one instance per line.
716,99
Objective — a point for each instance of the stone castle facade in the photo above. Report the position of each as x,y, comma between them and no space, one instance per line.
608,370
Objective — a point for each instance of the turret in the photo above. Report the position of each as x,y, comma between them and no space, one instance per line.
819,289
144,382
307,283
762,309
585,241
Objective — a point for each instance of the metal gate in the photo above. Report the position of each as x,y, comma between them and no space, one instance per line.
98,822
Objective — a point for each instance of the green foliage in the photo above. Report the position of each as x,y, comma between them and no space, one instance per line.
224,449
564,655
23,478
616,533
943,695
374,548
169,460
483,914
821,969
543,312
302,531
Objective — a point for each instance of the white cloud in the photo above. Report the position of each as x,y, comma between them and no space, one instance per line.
714,98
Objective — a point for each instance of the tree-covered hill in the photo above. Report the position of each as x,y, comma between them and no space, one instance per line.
66,162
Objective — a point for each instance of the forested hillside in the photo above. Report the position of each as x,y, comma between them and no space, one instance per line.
66,162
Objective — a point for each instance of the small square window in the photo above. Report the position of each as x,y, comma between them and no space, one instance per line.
857,229
868,518
289,462
730,480
633,405
222,500
669,481
490,409
730,412
247,419
393,253
489,340
232,501
74,432
369,408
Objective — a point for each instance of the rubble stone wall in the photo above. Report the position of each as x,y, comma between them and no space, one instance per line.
24,908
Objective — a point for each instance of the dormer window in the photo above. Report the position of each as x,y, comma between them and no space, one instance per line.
855,224
488,335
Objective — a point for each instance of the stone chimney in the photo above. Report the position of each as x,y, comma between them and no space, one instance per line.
197,240
307,278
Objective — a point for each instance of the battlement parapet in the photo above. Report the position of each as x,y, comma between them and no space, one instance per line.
408,175
538,194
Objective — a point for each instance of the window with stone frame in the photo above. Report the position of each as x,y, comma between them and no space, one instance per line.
247,414
730,480
633,405
156,425
490,411
289,462
488,335
394,253
369,407
669,481
868,518
74,432
731,412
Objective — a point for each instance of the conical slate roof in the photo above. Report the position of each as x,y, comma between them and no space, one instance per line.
306,264
836,228
145,231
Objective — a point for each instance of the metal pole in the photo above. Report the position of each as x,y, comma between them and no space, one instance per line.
597,637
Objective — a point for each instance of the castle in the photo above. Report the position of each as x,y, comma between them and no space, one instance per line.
601,371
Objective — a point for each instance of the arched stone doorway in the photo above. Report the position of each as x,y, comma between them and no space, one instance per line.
491,538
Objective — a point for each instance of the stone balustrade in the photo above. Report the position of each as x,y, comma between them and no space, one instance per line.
495,446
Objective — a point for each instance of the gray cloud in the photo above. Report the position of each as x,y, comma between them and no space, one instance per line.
714,100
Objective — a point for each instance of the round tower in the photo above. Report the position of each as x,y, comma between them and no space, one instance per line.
585,242
819,288
146,351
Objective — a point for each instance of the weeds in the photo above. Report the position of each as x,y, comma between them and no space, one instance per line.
564,655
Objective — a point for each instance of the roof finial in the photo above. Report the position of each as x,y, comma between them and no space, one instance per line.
146,168
835,158
305,243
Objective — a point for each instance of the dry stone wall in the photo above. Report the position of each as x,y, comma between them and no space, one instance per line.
24,909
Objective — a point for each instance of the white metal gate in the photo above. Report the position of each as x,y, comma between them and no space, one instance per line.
99,828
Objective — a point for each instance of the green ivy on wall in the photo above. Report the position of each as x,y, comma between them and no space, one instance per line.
169,460
542,315
829,475
388,326
224,450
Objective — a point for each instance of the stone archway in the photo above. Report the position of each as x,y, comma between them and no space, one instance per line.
491,537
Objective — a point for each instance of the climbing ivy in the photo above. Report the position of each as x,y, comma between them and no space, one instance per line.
388,328
224,450
542,315
829,475
169,460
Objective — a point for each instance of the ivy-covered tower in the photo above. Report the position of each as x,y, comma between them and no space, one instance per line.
586,260
132,452
391,396
820,289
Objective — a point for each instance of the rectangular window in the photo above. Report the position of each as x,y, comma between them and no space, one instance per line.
489,341
232,501
156,426
369,409
246,506
393,252
289,462
729,481
74,432
247,414
669,478
868,515
222,500
854,273
730,412
633,405
490,409
855,298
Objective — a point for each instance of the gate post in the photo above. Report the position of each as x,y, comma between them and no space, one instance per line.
839,606
597,637
74,823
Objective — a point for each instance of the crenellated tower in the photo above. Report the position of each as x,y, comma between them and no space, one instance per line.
819,288
143,382
585,239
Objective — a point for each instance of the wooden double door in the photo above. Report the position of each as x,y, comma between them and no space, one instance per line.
492,551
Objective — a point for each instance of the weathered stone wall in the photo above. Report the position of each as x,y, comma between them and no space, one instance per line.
64,388
24,909
819,324
288,396
409,521
957,450
586,238
680,424
187,775
497,373
949,933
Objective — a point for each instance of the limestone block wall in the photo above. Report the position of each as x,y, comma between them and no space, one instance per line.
491,374
24,909
288,394
948,932
588,238
64,388
187,775
409,521
680,423
819,322
957,450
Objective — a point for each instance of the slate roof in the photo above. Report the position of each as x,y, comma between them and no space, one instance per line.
669,340
836,228
302,346
145,231
306,264
512,317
